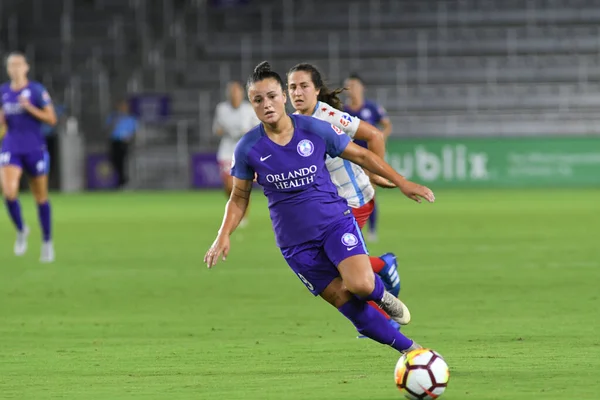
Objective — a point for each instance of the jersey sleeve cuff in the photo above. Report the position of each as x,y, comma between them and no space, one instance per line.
342,147
242,176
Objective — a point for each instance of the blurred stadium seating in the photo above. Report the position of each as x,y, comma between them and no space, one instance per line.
465,67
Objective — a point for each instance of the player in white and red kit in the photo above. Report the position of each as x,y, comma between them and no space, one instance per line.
375,115
233,118
306,88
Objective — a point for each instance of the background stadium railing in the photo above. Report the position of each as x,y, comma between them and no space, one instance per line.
468,67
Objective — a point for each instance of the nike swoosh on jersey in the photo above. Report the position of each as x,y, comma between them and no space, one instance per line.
264,158
351,248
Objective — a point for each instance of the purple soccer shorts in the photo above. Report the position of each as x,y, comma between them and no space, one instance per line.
35,163
315,263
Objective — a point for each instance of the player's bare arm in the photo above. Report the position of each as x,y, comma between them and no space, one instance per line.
236,206
374,137
376,143
386,125
46,114
234,212
376,165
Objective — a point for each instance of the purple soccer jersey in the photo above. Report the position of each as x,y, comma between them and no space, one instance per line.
370,112
24,131
313,225
303,201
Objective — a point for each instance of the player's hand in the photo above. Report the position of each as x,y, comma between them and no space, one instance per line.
381,181
415,192
24,102
219,248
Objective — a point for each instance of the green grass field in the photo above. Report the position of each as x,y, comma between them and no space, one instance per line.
504,284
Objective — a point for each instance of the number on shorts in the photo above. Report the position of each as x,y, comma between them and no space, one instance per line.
40,166
4,158
306,282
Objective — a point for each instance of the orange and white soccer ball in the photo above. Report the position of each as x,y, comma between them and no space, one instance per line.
422,375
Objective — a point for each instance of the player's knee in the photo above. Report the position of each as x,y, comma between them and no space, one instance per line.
40,190
40,195
360,285
10,191
10,196
41,199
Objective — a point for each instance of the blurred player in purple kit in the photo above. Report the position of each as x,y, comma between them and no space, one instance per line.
314,227
375,115
26,107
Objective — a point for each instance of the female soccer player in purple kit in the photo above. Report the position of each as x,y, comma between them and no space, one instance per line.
26,106
314,227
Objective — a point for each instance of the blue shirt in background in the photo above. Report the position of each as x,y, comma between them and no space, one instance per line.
124,126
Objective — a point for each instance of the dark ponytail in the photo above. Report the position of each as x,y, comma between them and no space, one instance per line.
331,97
261,72
326,95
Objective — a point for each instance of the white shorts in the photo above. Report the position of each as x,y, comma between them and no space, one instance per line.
225,167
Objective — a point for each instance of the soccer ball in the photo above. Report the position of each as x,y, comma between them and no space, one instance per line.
422,375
